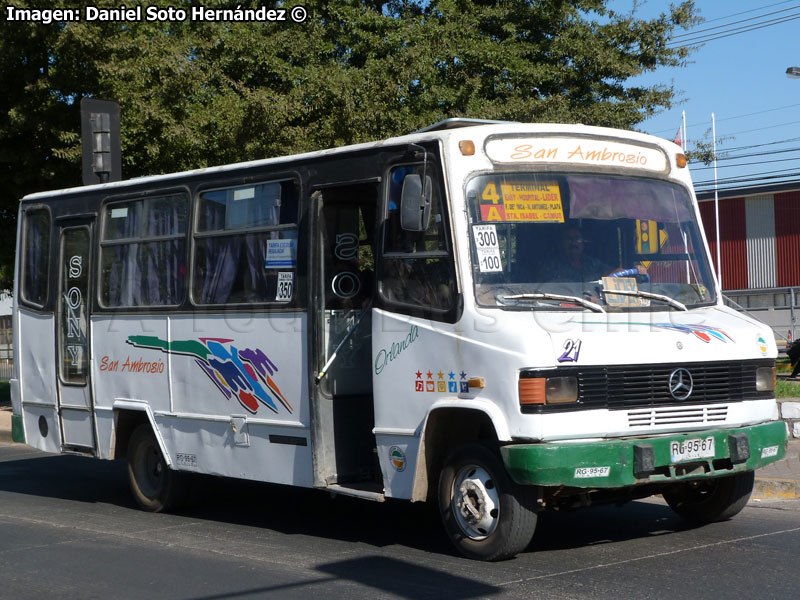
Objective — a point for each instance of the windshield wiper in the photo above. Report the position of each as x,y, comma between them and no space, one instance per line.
649,296
545,296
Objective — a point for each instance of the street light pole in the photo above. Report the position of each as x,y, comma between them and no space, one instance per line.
716,202
793,73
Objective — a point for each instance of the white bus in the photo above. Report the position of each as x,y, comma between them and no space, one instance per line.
500,318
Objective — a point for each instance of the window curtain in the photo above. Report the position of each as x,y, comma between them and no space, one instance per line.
216,258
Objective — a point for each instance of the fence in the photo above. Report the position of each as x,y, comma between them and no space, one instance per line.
6,354
776,307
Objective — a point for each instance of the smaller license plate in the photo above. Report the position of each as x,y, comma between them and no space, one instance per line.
591,472
769,452
691,449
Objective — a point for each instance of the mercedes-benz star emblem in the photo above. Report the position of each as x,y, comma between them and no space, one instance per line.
680,384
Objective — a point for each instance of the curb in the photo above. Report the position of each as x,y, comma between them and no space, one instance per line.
776,489
6,423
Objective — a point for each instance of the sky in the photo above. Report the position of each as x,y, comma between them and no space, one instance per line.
741,78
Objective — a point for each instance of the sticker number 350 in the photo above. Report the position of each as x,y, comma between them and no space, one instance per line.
285,287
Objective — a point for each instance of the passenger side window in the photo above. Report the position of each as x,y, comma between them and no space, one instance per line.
246,245
143,252
36,257
417,267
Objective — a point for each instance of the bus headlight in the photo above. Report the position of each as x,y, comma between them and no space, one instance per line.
765,379
560,390
548,390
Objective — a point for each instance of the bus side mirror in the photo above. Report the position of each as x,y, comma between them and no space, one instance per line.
415,205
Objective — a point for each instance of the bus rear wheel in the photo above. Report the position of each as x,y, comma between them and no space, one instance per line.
485,514
155,486
701,502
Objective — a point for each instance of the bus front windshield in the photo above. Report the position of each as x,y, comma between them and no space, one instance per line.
562,241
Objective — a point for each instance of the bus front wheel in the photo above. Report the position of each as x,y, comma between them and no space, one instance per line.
701,502
155,486
485,514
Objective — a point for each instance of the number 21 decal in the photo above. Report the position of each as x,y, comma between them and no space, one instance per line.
572,349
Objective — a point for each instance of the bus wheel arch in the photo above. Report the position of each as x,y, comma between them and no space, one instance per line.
155,486
125,422
446,429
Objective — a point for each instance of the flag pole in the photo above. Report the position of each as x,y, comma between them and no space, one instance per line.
684,143
716,201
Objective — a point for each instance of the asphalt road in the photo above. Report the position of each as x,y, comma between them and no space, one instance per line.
69,529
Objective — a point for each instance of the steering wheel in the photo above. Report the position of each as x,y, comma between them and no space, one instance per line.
640,277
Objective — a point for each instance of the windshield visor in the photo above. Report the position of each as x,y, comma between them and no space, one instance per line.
582,237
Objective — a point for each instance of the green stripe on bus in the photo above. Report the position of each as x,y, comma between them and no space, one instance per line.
191,347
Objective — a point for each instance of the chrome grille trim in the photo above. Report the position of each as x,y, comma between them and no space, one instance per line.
699,415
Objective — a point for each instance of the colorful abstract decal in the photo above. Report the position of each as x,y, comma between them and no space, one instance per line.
702,332
245,374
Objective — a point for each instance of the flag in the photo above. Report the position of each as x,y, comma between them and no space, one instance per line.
679,137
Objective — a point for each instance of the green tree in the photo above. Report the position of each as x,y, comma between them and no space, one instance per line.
194,94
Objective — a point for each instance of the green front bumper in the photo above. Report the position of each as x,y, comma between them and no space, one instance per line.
631,461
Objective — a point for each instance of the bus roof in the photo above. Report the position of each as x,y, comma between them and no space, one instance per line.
438,131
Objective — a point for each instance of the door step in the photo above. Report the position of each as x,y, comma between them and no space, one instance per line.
358,493
78,450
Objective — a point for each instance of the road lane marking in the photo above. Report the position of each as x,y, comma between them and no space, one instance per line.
650,556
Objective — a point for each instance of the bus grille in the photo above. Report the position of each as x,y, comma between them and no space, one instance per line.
626,387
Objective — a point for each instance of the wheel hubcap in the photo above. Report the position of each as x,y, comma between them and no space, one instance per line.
476,503
152,471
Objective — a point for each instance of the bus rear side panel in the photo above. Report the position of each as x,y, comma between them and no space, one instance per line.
227,393
36,368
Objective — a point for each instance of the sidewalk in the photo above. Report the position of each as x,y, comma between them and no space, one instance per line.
5,423
780,480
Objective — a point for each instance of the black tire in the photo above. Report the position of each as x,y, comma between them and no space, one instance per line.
472,481
701,502
155,486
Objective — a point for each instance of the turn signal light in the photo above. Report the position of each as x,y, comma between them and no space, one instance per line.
467,147
680,160
476,382
531,391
